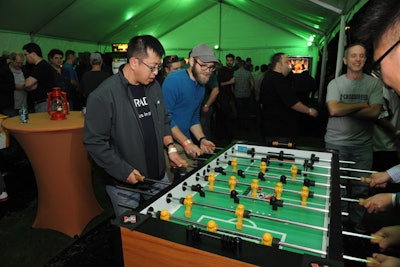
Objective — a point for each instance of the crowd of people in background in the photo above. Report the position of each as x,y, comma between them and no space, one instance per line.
182,104
231,93
79,73
27,76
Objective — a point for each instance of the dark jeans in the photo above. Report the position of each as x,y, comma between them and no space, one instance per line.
362,156
243,112
225,113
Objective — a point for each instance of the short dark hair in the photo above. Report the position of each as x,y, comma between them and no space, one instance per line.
378,17
264,68
276,58
54,52
69,53
138,46
230,56
33,47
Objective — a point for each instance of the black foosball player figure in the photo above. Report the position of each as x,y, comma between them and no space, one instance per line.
275,203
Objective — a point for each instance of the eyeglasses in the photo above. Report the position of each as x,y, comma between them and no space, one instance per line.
204,67
155,68
376,66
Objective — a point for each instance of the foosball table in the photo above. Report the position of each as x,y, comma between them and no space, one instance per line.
247,205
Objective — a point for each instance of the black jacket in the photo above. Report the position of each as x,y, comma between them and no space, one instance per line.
113,134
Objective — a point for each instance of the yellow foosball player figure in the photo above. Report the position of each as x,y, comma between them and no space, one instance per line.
212,226
211,180
234,164
239,214
294,172
188,202
165,215
267,239
232,183
254,187
304,195
278,190
263,167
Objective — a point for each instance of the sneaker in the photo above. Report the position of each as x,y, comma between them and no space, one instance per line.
3,196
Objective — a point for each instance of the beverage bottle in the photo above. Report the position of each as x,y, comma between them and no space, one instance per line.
23,114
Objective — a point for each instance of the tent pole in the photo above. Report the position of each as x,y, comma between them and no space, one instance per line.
31,37
220,29
341,44
322,89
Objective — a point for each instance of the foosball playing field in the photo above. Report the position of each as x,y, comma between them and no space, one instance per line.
275,197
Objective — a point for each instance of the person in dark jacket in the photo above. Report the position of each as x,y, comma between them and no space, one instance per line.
7,88
127,126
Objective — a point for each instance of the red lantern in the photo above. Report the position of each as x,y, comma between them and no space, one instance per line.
57,104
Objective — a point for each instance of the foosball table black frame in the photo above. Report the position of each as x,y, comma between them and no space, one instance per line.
151,241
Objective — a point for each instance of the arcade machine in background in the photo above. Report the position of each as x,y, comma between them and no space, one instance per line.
118,56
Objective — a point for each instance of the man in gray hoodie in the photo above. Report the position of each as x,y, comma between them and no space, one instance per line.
127,126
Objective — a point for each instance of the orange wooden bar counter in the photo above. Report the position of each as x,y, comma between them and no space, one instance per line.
66,201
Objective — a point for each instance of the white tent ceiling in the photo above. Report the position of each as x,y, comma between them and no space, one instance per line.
249,28
106,22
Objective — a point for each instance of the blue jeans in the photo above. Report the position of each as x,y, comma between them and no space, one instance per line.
129,198
362,156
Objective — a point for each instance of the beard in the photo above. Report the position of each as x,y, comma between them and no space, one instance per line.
199,77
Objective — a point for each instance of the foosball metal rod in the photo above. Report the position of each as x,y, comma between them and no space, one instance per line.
303,172
280,243
296,157
270,176
266,200
222,230
359,235
291,180
284,244
350,178
244,235
201,159
134,190
273,188
279,169
280,162
355,170
315,227
287,190
204,205
286,170
351,258
260,159
351,200
145,179
205,226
